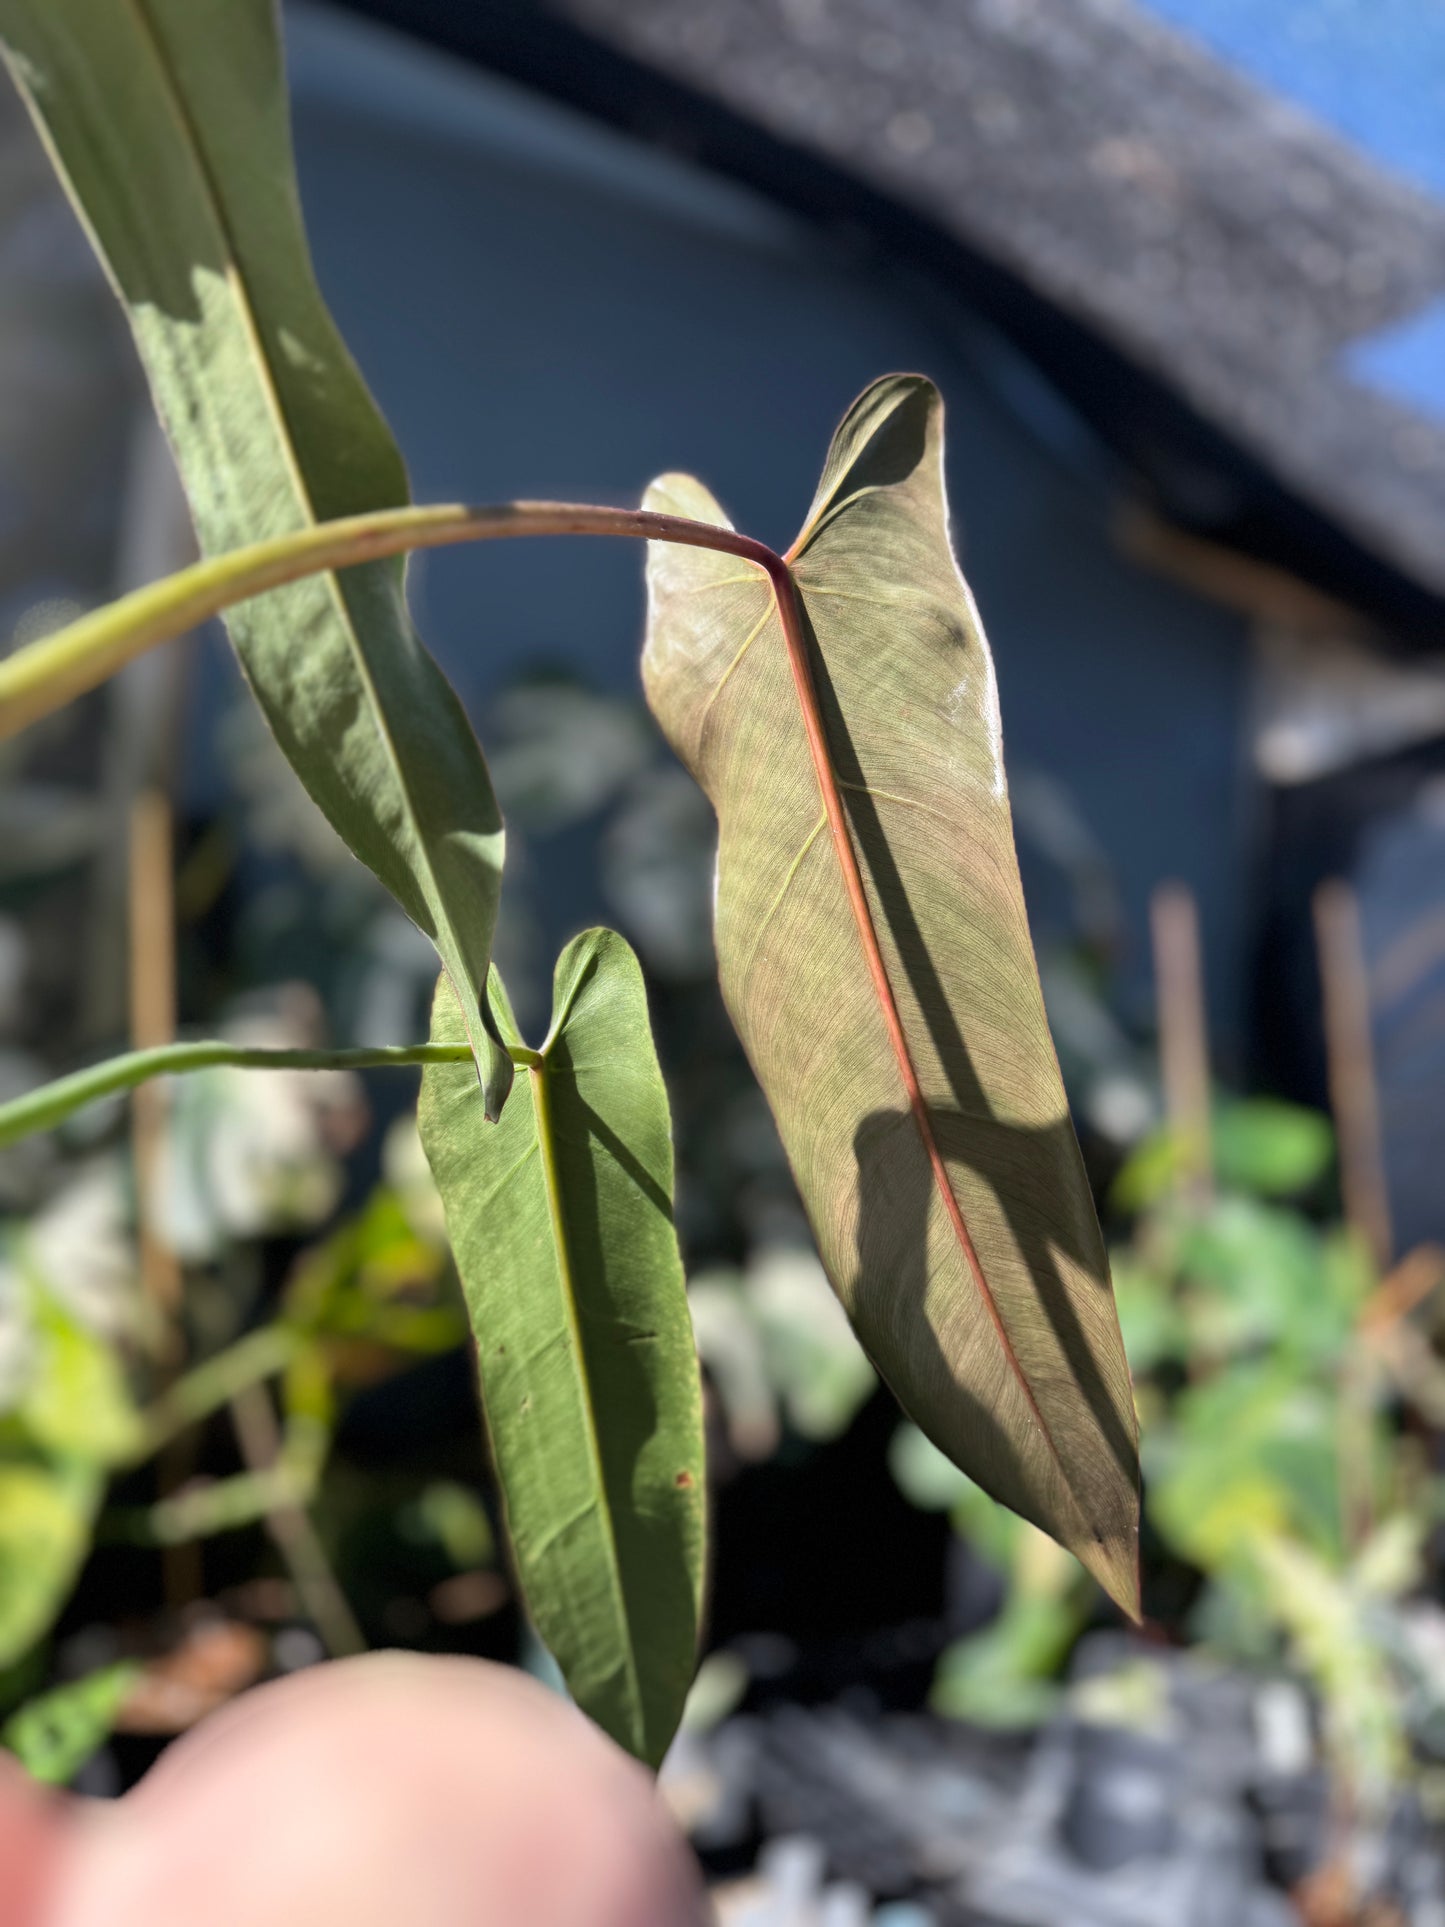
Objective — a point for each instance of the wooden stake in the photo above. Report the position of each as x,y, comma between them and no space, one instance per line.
152,1022
1350,1064
152,921
1355,1102
1183,1034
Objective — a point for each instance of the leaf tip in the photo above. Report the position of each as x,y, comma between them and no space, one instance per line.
493,1059
1114,1562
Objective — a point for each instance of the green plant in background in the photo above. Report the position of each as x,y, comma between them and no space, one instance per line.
55,1734
1270,1365
68,1420
1006,1675
837,705
65,1429
1276,1464
778,1349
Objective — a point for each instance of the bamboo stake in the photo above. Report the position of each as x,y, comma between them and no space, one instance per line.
152,1024
1183,1034
1350,1064
1355,1102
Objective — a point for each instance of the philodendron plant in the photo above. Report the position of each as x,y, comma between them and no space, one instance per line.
838,705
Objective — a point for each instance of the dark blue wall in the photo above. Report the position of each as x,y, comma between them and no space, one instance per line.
545,309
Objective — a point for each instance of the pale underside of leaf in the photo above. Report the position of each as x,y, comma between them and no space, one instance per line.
560,1216
167,121
932,1143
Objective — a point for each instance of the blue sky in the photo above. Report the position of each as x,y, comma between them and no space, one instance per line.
1374,70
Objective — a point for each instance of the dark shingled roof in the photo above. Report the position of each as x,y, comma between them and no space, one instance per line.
1074,164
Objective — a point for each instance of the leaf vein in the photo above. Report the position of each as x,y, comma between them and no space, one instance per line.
722,681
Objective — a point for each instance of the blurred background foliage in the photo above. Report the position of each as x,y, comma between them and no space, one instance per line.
287,1462
1285,1391
237,1413
238,1425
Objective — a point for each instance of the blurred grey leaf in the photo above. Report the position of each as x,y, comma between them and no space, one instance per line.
44,828
658,860
277,814
730,1345
777,1343
1047,819
254,1153
81,1247
560,753
1115,1084
817,1364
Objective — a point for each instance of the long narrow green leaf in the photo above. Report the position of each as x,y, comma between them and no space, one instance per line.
875,957
167,121
561,1221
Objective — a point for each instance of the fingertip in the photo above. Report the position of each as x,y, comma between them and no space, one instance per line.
32,1834
441,1791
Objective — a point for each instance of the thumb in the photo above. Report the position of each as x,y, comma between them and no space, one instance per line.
32,1829
439,1792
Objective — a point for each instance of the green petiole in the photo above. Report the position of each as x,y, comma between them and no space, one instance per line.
42,1109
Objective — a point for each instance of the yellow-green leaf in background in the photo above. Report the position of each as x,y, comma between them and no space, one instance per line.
561,1220
53,1736
908,1063
77,1404
46,1513
167,122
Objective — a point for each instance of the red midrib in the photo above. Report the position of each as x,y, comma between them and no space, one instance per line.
785,593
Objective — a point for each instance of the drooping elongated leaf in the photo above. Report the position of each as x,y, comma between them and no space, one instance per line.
561,1220
167,121
909,1063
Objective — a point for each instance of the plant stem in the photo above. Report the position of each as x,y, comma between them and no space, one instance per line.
51,672
42,1109
292,1530
193,1397
207,1508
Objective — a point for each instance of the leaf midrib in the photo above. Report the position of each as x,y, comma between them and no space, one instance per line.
334,590
787,591
552,1184
841,825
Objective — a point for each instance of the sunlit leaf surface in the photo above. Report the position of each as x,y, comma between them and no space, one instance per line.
561,1220
167,120
957,1226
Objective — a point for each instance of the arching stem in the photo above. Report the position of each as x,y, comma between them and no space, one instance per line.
54,670
50,1104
